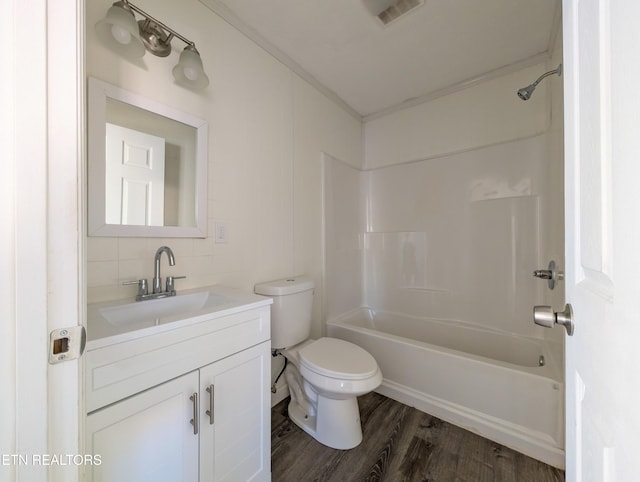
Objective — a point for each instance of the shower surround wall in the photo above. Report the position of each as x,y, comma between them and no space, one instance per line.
344,200
456,237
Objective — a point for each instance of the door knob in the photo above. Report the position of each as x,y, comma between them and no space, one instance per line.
545,316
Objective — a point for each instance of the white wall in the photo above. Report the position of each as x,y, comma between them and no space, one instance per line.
267,129
485,114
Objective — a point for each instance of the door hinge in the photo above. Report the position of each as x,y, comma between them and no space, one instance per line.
66,344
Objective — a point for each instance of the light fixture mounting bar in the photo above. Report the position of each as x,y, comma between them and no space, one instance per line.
159,23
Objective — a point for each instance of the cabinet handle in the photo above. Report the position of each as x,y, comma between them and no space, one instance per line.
194,421
210,411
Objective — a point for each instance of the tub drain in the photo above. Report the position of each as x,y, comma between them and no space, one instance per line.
541,361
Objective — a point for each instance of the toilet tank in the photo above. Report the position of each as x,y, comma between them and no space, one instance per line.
291,309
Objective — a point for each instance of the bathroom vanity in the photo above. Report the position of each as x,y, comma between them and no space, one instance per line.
178,388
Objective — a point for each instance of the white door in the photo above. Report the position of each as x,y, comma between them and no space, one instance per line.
149,437
235,436
134,177
602,203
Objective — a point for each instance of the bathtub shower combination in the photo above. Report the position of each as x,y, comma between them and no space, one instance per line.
504,387
436,283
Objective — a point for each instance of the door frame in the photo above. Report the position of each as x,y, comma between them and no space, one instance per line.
66,302
44,235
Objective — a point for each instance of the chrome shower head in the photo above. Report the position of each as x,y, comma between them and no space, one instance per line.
526,92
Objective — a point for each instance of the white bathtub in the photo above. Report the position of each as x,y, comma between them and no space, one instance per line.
485,381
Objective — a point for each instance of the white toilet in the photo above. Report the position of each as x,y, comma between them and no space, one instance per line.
324,376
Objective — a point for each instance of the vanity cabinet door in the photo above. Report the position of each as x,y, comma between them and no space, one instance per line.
235,438
147,437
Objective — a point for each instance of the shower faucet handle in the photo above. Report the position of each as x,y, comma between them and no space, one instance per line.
551,274
543,274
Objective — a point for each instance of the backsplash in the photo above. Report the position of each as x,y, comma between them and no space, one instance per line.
111,261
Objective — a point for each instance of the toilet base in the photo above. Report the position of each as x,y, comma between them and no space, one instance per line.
336,424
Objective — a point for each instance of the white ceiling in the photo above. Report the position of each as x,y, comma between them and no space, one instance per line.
372,68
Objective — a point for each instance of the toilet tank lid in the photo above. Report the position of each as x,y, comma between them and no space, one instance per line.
285,286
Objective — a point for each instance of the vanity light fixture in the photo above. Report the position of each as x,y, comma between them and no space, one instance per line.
120,31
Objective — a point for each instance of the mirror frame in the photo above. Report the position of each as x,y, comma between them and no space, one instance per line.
98,93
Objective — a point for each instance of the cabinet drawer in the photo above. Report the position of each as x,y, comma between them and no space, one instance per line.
118,371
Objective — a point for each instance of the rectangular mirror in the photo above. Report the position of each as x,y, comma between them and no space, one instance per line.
147,170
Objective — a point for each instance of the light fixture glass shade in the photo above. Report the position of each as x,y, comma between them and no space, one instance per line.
119,31
189,72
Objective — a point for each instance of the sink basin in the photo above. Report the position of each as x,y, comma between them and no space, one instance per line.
122,320
179,305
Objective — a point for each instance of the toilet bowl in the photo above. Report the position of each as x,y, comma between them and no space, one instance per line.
325,377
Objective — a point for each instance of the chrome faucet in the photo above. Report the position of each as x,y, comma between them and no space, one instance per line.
157,281
157,291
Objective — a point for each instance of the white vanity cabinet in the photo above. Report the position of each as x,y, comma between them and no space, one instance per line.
184,404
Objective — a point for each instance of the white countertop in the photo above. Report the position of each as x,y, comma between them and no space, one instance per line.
104,330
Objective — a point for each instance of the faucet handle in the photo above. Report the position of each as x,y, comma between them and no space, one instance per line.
143,287
170,284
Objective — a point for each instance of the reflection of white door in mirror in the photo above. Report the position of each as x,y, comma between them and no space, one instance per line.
174,202
134,177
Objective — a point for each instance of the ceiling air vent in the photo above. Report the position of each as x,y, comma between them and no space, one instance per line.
397,10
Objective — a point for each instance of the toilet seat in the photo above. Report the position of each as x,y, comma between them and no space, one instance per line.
335,358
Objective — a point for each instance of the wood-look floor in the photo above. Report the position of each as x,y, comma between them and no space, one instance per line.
400,443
